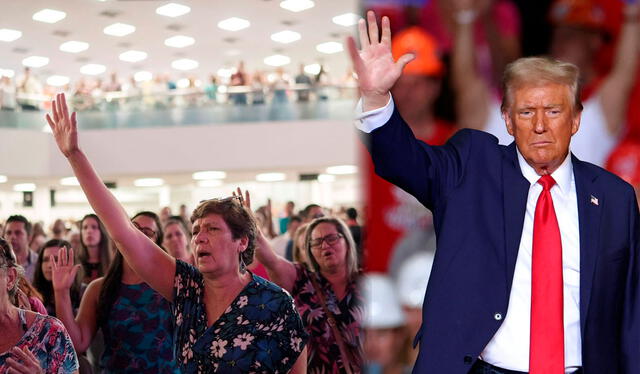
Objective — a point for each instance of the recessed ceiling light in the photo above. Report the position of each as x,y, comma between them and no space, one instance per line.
234,24
347,19
271,177
49,15
24,187
326,178
210,183
142,76
119,29
312,69
7,73
57,80
74,46
173,10
69,181
329,47
9,35
277,60
93,69
286,36
179,41
233,52
209,174
148,182
184,64
297,5
3,179
35,61
342,169
133,56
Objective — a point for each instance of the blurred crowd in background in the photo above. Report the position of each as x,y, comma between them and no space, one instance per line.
462,48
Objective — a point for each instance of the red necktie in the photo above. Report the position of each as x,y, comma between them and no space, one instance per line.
546,354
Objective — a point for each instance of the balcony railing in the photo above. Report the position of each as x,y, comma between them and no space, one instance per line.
189,106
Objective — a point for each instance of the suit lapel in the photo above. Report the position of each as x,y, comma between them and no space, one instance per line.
590,203
516,190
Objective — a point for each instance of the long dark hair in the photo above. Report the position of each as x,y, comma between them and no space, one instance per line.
113,278
103,247
45,287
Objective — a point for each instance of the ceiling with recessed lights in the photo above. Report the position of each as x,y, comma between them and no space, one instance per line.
184,38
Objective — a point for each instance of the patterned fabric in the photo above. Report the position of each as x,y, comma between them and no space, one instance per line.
260,331
49,341
139,335
323,352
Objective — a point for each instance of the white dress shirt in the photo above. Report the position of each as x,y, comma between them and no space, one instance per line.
509,347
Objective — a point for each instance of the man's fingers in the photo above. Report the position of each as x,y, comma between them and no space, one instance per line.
50,121
386,31
405,59
356,60
374,38
362,32
54,110
63,103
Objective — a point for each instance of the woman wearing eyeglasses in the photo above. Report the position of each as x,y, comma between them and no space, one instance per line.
135,320
227,319
327,291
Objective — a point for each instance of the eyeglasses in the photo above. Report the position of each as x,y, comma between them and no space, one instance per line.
331,239
149,233
225,199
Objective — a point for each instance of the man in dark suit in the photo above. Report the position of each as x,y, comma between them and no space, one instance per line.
537,267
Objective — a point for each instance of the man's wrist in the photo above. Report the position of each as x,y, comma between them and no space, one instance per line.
374,101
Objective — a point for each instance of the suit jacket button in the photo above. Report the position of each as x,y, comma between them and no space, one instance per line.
468,359
497,316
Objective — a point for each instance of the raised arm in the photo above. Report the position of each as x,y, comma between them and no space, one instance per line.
615,91
472,92
377,71
155,266
82,328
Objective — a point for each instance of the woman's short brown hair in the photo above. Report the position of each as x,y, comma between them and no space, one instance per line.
236,216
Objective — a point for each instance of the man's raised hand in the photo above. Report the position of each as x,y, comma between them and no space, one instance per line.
377,71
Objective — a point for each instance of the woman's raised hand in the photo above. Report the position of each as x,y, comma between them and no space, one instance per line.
377,71
63,126
64,271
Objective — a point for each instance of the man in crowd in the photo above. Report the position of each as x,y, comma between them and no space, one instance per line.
17,231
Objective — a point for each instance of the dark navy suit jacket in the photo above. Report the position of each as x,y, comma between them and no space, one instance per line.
478,195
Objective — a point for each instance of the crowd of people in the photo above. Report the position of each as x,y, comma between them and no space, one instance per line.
28,92
156,293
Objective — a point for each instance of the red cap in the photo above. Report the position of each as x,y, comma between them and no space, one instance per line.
579,13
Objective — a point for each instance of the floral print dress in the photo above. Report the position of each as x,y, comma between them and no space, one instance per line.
323,353
49,341
260,331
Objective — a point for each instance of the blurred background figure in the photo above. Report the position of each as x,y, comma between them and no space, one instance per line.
384,327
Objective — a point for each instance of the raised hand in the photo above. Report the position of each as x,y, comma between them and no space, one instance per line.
64,271
246,199
377,71
63,126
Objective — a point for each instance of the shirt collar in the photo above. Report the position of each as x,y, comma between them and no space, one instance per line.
563,175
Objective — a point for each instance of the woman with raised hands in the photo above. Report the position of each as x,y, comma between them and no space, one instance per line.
227,319
135,320
325,293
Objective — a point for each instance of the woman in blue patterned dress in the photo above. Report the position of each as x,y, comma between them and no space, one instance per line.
136,321
29,342
227,319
